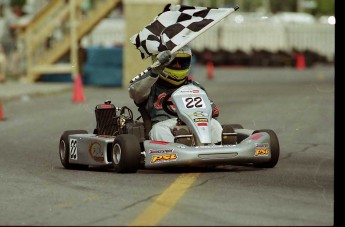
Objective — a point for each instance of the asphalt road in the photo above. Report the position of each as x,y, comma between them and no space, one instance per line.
298,105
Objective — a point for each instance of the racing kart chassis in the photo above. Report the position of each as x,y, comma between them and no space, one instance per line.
122,143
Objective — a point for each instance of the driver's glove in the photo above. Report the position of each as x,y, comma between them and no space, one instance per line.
215,112
164,59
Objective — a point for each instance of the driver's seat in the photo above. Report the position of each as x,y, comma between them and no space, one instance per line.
181,135
146,121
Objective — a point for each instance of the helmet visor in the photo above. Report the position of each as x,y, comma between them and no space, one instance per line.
180,63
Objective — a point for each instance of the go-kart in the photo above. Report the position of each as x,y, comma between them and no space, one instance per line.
122,143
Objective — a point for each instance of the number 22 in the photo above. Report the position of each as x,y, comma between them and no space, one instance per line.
193,102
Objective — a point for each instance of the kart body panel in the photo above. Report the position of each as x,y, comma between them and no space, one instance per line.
90,149
162,154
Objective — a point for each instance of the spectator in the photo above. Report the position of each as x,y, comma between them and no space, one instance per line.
2,65
15,21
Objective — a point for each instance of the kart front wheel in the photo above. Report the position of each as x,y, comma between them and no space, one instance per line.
275,149
64,149
126,153
227,137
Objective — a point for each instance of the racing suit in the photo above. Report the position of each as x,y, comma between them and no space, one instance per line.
148,90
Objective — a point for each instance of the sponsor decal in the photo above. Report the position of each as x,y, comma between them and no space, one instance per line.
198,114
189,91
163,158
73,151
261,149
256,136
159,142
200,120
95,152
105,106
160,151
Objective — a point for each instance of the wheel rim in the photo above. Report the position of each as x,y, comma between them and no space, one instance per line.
116,154
62,150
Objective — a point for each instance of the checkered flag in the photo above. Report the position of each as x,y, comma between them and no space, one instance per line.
176,26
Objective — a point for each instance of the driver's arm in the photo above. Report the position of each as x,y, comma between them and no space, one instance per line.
140,86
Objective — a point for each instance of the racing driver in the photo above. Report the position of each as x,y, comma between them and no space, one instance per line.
150,87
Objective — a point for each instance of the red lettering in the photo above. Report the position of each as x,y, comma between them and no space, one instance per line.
158,103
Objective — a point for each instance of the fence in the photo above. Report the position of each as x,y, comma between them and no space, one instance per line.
227,35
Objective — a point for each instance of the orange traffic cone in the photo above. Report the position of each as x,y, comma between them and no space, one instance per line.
1,113
78,91
300,62
210,69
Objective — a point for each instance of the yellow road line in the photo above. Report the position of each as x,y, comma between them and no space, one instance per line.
165,202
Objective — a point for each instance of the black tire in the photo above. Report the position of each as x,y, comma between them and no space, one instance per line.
64,150
126,153
236,126
275,150
240,137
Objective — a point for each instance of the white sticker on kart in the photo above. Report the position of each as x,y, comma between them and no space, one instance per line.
193,102
73,151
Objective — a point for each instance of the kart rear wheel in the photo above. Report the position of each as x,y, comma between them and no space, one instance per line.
275,149
126,153
64,149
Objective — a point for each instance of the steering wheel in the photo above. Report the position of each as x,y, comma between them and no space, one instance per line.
126,113
166,105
